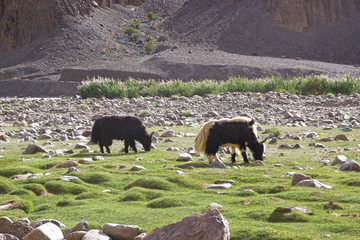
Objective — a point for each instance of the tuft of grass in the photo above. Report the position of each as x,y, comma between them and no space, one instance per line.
22,192
89,195
152,16
94,178
67,202
149,38
311,85
181,181
137,24
168,202
293,216
59,187
43,207
149,47
84,106
274,130
130,30
151,183
135,37
145,113
38,189
5,186
12,171
140,194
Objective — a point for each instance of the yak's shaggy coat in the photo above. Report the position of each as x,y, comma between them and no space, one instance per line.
237,133
126,128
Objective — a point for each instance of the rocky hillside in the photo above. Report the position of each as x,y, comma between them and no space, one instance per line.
71,40
319,30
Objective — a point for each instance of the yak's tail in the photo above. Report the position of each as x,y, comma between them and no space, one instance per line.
201,138
95,133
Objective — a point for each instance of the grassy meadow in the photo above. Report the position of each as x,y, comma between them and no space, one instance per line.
158,196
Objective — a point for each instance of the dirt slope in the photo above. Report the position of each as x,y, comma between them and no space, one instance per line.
68,41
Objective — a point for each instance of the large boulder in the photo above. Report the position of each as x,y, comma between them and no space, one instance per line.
47,231
209,225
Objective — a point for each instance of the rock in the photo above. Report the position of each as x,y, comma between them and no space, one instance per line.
67,178
5,236
297,146
68,164
98,158
123,232
137,168
81,146
82,226
217,164
215,205
209,225
95,234
341,137
77,235
43,221
85,160
141,236
297,177
328,139
218,186
18,229
350,166
185,157
72,169
319,145
284,146
339,159
273,140
224,181
312,183
179,172
258,163
47,231
34,148
168,133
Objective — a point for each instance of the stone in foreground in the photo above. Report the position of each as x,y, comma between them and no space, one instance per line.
209,225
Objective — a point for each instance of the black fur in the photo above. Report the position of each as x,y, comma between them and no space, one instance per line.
126,128
237,133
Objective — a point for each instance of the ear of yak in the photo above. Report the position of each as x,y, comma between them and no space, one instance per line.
263,141
151,134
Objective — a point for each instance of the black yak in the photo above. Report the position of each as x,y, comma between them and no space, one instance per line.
126,128
237,133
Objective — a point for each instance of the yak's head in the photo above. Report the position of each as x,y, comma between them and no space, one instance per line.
259,150
147,142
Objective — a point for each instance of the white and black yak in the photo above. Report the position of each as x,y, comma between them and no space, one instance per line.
126,128
237,133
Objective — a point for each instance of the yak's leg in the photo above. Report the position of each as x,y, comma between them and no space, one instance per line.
132,145
127,143
107,149
101,147
243,153
210,158
233,154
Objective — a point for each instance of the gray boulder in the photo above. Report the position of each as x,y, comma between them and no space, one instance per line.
95,234
121,232
47,231
339,159
297,177
34,148
350,166
209,225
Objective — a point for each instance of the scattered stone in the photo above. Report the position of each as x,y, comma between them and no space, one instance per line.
47,231
18,229
273,140
138,159
184,157
5,236
78,235
72,169
85,160
179,172
34,148
67,178
95,234
319,145
168,133
137,168
217,164
284,146
67,164
224,181
81,226
218,186
350,166
341,137
117,231
328,139
194,227
168,140
312,183
98,158
339,159
81,146
298,177
141,236
258,163
297,146
215,205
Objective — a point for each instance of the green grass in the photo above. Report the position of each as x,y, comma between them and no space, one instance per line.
109,192
310,85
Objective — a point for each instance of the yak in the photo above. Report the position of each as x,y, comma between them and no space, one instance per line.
237,133
126,128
